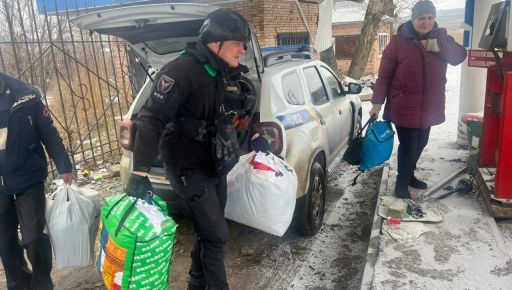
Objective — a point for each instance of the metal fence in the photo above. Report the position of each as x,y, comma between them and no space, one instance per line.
86,80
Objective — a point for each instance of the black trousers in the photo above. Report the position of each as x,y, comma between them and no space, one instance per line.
412,142
26,210
202,196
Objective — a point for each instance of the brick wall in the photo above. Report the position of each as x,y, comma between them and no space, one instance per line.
272,17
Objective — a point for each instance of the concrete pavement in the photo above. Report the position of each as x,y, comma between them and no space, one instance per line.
466,250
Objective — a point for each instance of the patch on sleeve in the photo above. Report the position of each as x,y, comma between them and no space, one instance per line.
164,84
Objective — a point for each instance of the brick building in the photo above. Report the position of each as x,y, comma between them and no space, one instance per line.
348,18
278,22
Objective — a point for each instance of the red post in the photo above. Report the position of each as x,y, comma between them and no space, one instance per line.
504,153
491,126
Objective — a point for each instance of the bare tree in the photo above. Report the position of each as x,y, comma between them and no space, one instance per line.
374,12
403,9
84,79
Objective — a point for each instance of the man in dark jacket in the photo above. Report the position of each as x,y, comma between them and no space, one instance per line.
189,121
412,78
26,125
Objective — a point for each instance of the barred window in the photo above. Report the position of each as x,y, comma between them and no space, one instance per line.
292,38
383,42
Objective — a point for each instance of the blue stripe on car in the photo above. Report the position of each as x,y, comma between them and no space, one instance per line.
298,118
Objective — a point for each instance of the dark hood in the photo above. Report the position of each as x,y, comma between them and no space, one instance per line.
17,87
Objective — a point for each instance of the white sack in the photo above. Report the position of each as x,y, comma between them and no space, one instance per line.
262,198
72,217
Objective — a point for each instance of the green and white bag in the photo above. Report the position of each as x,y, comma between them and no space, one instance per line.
136,243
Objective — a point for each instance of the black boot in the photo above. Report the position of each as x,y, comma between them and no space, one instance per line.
416,183
401,188
196,281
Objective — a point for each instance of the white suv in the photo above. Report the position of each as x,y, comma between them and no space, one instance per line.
305,99
303,109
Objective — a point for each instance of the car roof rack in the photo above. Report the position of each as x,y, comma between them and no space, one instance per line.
283,56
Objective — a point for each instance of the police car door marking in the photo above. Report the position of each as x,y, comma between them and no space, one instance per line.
299,118
164,84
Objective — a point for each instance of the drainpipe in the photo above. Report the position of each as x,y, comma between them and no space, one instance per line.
305,23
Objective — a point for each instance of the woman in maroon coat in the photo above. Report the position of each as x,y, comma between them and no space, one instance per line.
412,77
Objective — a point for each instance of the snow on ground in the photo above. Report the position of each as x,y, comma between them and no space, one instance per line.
349,11
466,250
336,249
337,256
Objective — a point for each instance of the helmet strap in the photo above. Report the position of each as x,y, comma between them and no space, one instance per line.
220,47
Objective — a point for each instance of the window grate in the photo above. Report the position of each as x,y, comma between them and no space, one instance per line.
292,38
383,42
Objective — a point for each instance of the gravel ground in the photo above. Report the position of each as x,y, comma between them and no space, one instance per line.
333,259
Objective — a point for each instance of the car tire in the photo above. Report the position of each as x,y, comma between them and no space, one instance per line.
314,202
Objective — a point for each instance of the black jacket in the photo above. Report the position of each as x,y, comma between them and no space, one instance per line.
183,89
29,127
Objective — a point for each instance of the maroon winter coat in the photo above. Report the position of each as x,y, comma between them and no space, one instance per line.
412,80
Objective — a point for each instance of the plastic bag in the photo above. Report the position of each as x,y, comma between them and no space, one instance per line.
136,243
72,217
262,193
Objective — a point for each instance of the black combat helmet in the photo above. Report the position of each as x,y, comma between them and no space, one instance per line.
224,24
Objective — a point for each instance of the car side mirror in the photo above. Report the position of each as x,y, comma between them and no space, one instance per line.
354,88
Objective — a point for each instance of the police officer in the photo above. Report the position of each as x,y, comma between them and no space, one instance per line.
192,118
26,125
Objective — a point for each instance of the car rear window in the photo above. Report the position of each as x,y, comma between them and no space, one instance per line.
315,86
168,45
292,90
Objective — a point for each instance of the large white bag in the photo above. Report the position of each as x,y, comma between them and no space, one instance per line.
262,193
72,216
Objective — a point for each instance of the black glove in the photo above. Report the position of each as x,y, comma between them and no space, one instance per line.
139,186
261,144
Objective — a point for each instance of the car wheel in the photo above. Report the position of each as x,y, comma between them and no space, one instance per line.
314,203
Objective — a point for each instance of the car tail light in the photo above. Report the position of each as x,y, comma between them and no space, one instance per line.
273,133
126,136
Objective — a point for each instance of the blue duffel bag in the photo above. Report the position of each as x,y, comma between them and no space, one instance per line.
377,145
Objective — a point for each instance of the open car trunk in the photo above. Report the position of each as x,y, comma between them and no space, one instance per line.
157,33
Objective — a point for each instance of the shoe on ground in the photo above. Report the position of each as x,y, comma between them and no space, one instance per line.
402,192
416,183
